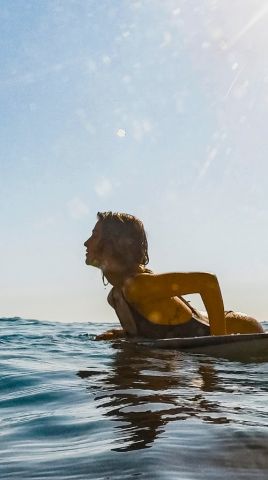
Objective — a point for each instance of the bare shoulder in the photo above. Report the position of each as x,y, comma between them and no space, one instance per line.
147,284
133,286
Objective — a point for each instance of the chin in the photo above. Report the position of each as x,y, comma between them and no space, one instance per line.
92,262
88,261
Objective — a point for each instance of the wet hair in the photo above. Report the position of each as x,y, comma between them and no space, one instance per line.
126,234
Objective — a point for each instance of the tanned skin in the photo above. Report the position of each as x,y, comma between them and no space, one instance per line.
158,296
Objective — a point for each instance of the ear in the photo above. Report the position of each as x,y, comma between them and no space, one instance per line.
106,248
125,241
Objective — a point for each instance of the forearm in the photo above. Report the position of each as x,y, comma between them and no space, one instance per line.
213,302
117,301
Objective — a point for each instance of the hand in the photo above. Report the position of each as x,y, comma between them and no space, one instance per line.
112,334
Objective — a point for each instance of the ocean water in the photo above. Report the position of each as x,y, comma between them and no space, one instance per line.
74,408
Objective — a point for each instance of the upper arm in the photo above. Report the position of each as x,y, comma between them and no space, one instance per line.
148,286
110,298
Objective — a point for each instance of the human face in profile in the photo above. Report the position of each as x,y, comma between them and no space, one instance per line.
93,245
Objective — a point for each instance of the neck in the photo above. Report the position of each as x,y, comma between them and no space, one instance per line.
118,277
114,278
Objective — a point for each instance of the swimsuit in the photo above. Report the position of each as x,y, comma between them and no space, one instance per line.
193,328
145,328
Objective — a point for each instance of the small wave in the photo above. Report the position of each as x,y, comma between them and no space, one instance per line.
72,408
10,319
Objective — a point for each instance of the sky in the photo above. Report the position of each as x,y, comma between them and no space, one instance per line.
158,108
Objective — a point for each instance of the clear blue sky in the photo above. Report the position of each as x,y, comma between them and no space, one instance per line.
156,108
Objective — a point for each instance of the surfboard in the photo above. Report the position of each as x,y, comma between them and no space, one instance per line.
236,346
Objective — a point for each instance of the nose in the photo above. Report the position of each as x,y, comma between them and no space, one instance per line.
85,243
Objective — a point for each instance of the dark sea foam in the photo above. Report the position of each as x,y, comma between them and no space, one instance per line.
73,408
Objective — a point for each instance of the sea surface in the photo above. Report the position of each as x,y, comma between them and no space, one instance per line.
74,408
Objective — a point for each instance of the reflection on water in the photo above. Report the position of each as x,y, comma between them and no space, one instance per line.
145,390
130,412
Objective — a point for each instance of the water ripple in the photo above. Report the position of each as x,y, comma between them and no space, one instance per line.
73,408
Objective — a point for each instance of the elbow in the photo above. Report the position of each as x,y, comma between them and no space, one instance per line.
213,282
210,281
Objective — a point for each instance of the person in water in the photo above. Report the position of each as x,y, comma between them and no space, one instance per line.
152,305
